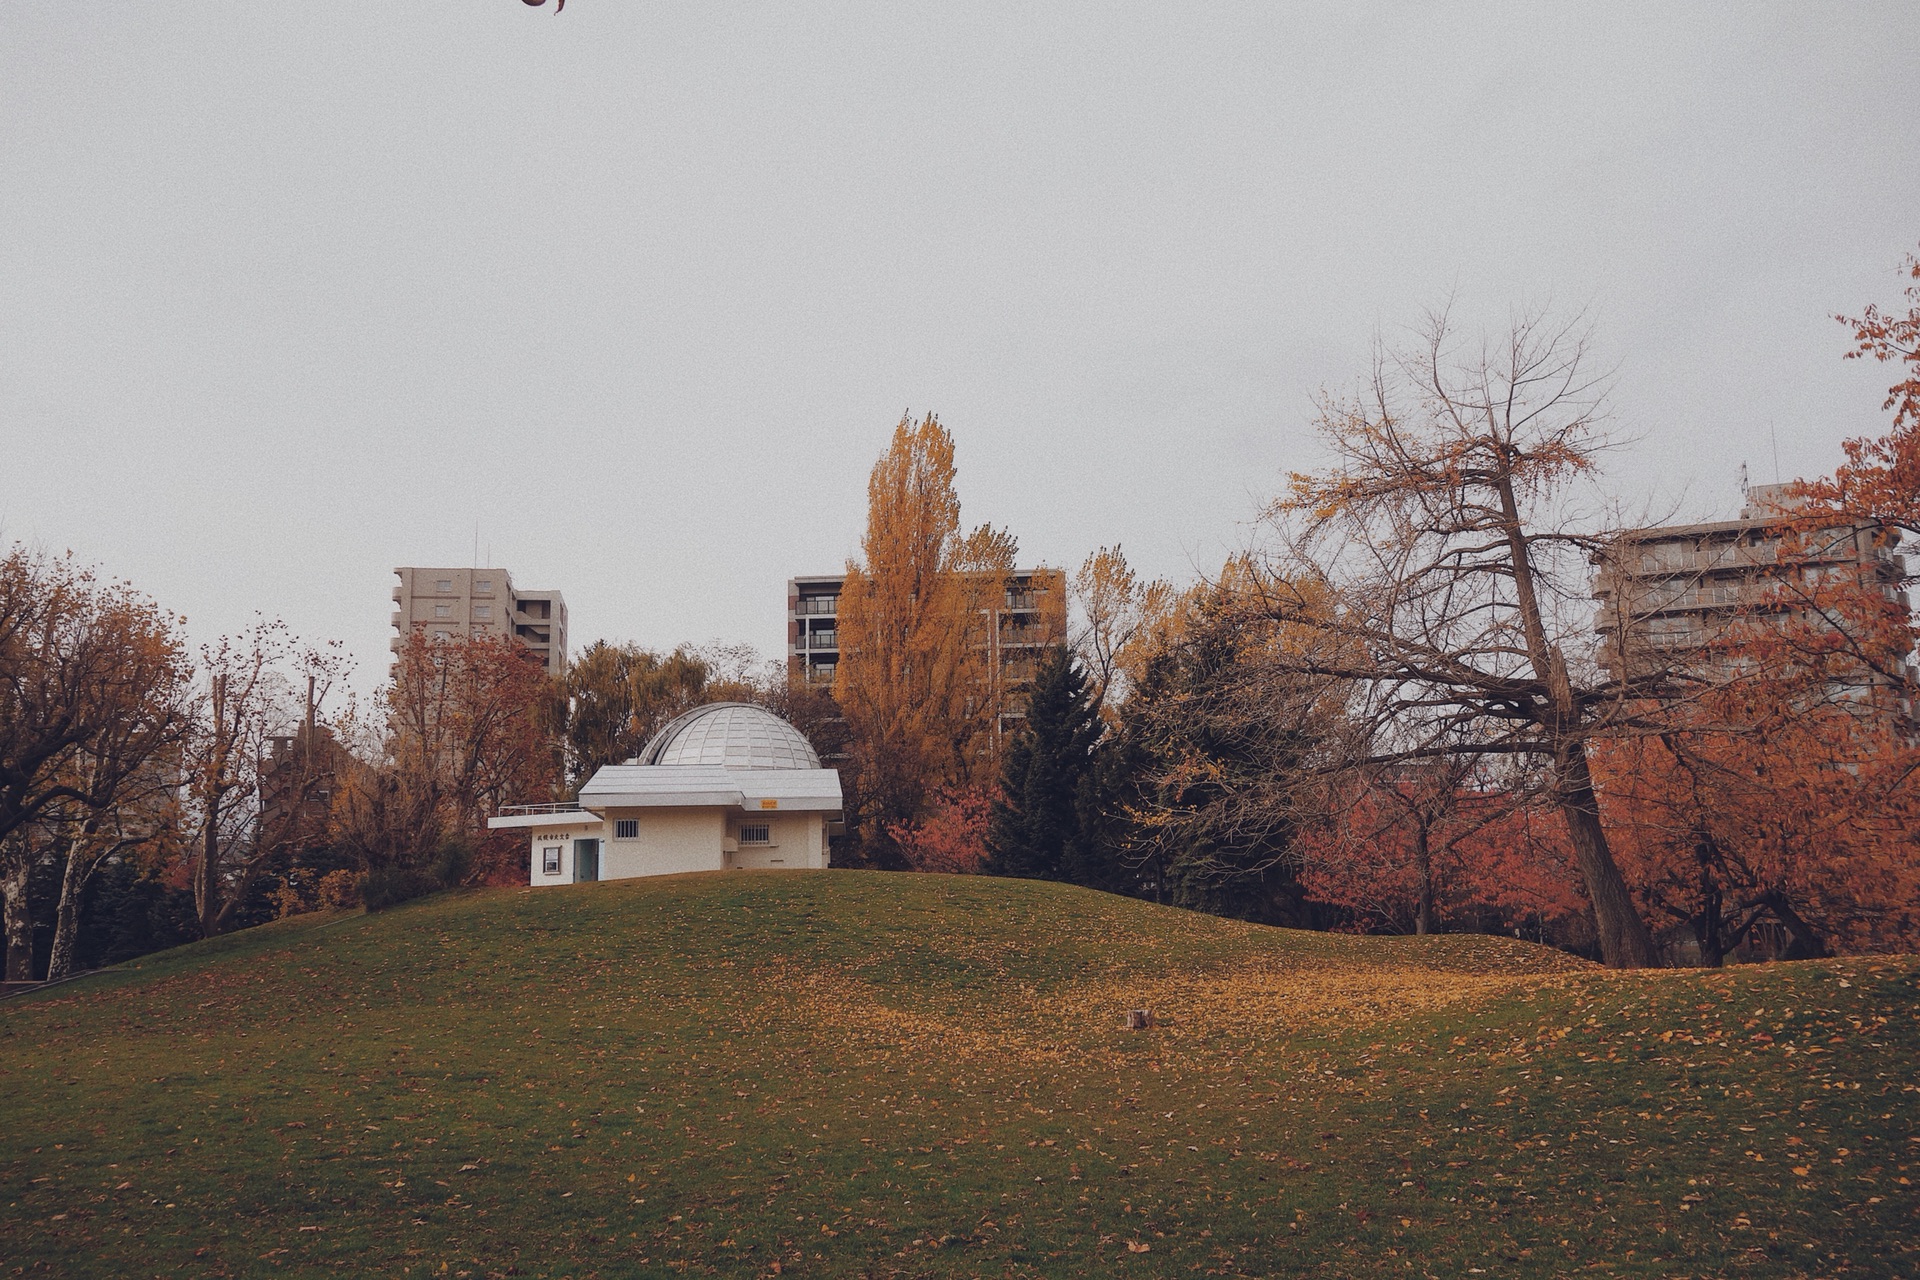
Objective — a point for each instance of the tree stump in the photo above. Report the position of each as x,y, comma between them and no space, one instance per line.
1139,1019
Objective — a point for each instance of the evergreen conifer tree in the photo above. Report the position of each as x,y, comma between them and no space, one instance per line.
1036,829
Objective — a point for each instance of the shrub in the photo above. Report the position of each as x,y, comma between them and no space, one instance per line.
385,887
391,886
338,890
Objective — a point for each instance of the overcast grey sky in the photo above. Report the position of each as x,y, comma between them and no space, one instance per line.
291,294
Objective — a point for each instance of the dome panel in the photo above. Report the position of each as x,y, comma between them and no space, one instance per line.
737,735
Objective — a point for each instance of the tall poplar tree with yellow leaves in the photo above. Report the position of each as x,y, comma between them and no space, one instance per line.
915,677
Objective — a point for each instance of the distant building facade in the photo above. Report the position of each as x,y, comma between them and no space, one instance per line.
462,602
298,776
1029,617
1667,593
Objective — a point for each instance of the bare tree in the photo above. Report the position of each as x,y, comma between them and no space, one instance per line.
1449,533
253,696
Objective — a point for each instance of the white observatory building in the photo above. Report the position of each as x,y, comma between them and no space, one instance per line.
727,786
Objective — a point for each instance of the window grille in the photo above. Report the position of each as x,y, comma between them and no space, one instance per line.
626,829
756,833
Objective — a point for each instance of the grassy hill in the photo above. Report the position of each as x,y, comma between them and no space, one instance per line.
859,1074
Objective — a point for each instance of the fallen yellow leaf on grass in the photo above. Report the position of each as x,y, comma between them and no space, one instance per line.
1134,1246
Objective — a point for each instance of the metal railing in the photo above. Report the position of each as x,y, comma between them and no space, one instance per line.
524,810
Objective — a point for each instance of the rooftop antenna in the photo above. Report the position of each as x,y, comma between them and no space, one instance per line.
476,545
1775,441
1744,486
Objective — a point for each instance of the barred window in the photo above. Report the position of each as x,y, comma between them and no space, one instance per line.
756,833
626,829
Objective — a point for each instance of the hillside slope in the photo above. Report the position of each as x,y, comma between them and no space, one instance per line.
859,1074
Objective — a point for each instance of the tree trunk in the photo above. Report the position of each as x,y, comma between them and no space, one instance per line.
1709,924
19,923
1423,865
1804,942
66,920
206,876
1624,940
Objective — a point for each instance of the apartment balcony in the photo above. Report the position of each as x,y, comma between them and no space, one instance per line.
816,606
822,640
399,620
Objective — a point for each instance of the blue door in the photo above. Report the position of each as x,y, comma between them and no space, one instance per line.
586,860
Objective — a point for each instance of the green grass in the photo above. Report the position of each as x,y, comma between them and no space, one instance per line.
860,1074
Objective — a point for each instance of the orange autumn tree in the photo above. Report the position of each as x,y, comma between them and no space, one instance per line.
472,725
1780,796
1880,479
1787,806
1423,848
1785,797
914,678
93,705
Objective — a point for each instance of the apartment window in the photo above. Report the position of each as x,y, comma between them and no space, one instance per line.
626,829
483,611
443,611
756,833
550,860
444,585
484,586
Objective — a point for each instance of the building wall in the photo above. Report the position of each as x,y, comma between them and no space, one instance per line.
547,837
670,841
1666,593
799,841
675,841
456,602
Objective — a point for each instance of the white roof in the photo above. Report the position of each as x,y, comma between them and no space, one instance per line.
647,786
547,818
737,735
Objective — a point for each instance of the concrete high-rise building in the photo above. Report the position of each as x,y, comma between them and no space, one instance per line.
1666,593
1029,617
459,602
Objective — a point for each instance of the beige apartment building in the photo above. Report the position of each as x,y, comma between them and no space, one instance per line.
458,602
